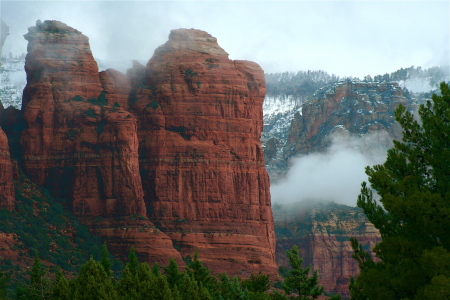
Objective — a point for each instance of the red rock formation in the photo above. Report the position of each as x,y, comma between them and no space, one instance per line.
198,126
116,86
323,233
200,120
81,144
6,175
357,107
59,66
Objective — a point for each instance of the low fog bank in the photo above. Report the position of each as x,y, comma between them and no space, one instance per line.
334,175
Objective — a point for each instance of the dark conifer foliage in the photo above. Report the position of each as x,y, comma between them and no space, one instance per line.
413,187
139,281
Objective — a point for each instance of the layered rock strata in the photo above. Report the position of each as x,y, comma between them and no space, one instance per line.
205,184
81,143
167,159
7,195
323,231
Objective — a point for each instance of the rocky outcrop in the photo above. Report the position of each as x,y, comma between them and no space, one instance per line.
322,231
81,143
166,158
202,166
6,175
117,88
347,108
357,107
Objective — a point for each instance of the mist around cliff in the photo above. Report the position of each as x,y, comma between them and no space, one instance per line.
333,175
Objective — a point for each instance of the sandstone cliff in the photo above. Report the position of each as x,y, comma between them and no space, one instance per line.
166,158
6,175
205,185
322,232
80,142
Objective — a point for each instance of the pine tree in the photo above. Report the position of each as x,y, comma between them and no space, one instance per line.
105,261
128,286
257,283
133,262
39,287
4,278
93,283
257,286
173,275
189,289
230,288
298,284
413,186
61,288
200,273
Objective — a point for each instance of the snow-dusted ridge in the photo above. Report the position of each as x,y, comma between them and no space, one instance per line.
12,82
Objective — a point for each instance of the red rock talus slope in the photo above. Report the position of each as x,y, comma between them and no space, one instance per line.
202,166
322,231
81,143
6,175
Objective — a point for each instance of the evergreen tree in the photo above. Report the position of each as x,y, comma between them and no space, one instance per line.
173,275
413,186
156,270
200,273
230,288
133,262
298,284
129,285
190,289
93,283
146,280
61,288
257,283
39,287
105,261
4,279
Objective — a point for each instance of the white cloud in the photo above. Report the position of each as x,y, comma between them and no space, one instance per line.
335,175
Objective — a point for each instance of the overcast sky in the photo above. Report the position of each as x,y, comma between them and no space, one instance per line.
347,38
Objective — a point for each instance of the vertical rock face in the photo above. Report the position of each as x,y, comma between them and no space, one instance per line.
202,166
6,175
59,67
81,143
176,143
323,232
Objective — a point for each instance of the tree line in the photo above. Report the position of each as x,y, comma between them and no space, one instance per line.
95,280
